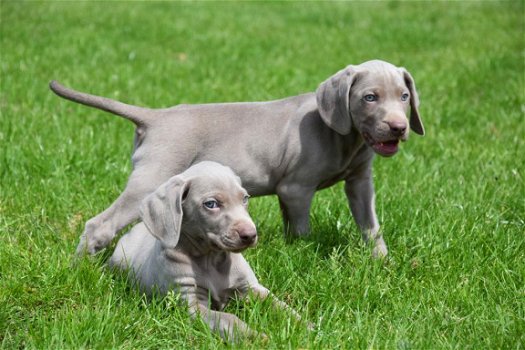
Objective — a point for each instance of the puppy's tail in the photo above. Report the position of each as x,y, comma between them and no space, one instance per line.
137,115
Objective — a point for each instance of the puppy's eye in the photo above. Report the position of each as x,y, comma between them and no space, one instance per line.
245,199
211,204
370,98
405,97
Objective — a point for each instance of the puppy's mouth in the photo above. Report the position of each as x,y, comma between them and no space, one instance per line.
385,148
237,247
233,246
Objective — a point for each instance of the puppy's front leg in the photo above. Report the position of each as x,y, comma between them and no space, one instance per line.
361,197
229,326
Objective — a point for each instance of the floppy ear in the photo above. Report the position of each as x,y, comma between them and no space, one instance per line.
161,211
415,120
333,100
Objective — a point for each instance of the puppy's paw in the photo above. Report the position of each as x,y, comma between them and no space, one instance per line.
310,326
95,238
380,251
82,248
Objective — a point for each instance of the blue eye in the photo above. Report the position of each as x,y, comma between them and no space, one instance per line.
405,97
211,204
370,98
245,199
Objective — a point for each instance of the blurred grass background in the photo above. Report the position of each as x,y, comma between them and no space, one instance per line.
451,204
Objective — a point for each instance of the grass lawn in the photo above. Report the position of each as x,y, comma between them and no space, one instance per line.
451,204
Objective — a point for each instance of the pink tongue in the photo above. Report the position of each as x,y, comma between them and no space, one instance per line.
387,147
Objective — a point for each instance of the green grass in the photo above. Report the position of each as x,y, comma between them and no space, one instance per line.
451,204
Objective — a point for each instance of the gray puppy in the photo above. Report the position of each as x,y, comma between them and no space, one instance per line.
290,147
193,228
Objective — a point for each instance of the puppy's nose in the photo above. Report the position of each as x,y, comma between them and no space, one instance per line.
247,232
397,127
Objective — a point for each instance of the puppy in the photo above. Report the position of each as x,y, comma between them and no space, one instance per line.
193,228
290,147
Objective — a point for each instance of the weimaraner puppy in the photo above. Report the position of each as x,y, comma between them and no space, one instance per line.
290,147
193,228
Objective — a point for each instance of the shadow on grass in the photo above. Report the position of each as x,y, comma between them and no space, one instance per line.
324,240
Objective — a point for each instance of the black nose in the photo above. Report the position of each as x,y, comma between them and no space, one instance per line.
397,128
247,233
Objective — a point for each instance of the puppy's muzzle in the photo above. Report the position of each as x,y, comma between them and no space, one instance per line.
247,233
397,127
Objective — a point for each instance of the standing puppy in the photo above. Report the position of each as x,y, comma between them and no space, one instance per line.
290,147
193,229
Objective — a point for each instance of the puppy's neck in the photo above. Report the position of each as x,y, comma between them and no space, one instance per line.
194,246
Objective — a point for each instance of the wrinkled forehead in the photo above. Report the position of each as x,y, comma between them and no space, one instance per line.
379,74
211,177
208,168
217,183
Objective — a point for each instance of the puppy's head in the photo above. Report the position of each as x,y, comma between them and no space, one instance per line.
206,205
374,98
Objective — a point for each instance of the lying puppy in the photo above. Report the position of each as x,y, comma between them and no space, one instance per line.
290,147
193,228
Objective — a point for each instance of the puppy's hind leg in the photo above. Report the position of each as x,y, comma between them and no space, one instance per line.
101,229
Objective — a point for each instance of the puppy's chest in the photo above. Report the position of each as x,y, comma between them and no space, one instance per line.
220,282
345,166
